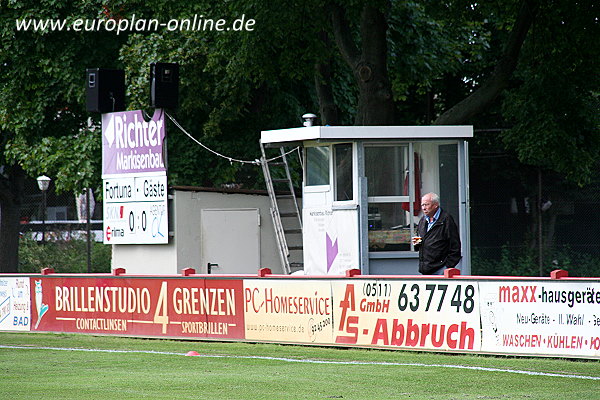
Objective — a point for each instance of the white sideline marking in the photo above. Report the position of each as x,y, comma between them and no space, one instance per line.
308,361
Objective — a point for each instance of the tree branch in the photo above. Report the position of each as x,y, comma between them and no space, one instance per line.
498,81
327,107
343,36
323,76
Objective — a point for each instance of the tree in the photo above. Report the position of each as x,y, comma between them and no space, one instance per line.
360,62
11,192
554,106
43,123
390,62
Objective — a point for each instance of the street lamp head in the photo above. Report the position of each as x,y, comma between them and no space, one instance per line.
43,182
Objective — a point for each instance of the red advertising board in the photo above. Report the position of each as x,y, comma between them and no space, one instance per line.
500,316
195,308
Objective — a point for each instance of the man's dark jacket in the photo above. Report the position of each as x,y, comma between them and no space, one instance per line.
440,247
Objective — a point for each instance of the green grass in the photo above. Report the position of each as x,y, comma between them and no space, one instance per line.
56,374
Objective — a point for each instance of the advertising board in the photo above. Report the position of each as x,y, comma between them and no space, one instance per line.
193,308
425,315
135,210
134,178
550,318
513,317
15,304
298,311
131,144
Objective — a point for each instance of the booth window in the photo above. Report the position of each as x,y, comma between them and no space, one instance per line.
386,168
343,172
317,166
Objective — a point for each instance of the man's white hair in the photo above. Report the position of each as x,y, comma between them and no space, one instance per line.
434,197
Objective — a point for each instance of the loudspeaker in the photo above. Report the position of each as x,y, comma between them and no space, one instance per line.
105,90
164,85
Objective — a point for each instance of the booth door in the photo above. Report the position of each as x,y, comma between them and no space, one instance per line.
230,240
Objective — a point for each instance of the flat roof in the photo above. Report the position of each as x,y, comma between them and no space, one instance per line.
333,133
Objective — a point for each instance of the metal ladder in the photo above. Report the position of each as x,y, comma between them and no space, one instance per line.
285,211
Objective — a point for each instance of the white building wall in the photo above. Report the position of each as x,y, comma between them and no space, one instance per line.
185,247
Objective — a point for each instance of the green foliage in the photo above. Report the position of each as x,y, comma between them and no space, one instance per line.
73,160
63,256
42,96
555,109
235,84
425,44
225,100
518,261
512,262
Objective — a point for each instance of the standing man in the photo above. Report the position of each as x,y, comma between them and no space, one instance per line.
438,241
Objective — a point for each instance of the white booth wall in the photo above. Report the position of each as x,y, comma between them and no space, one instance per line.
230,229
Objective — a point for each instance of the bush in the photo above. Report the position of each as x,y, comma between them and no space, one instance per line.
523,262
64,256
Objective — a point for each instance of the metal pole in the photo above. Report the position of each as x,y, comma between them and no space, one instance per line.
540,236
43,217
89,231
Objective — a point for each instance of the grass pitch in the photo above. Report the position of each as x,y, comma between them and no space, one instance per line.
55,366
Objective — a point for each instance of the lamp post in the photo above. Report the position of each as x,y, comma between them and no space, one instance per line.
88,217
43,183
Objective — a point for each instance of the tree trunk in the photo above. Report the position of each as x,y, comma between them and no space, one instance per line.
375,101
369,65
323,75
11,194
327,107
9,237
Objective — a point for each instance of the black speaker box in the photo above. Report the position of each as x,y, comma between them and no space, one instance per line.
164,85
105,90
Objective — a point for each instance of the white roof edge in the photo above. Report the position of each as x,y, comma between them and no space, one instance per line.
366,132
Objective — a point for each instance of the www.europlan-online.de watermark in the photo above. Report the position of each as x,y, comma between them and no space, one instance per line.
133,24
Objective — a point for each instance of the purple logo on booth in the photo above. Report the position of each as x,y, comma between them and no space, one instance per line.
332,250
131,144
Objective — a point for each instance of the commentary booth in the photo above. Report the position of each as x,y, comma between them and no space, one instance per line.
362,187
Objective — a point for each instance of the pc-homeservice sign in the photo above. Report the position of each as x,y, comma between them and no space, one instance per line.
132,145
